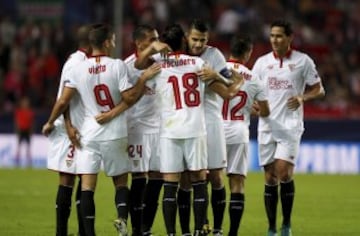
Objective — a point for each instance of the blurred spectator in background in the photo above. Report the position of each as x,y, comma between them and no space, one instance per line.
326,30
24,124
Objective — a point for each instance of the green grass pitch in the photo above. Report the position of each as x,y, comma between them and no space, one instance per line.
325,205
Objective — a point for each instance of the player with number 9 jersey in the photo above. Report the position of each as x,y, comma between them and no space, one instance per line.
100,81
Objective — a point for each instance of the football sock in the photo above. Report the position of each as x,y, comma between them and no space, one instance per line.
287,192
200,203
169,206
151,197
184,203
136,203
88,212
236,209
271,197
218,202
81,229
63,207
121,202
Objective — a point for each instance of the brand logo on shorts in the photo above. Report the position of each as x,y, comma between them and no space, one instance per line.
136,163
69,162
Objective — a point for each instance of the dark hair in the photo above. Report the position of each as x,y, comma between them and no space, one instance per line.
82,35
100,33
199,25
284,24
240,45
141,30
173,35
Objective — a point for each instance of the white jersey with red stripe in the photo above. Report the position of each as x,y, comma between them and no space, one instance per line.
236,111
284,78
76,107
100,81
144,116
180,96
216,60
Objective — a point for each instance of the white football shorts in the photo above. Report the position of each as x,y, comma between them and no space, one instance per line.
112,154
144,152
176,155
278,144
237,158
216,145
61,154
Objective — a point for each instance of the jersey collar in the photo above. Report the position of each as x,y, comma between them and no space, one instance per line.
287,54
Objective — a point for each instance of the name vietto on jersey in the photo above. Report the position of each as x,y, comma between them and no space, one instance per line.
100,81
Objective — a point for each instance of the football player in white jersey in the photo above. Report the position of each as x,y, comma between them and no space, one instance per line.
61,154
102,83
285,73
236,114
143,138
197,38
181,97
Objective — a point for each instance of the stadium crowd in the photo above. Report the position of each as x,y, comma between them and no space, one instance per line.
32,50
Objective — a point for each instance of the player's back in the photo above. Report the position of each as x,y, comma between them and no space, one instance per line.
181,97
100,81
236,111
142,117
216,60
76,108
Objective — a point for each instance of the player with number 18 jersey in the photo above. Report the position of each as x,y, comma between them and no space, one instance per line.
180,95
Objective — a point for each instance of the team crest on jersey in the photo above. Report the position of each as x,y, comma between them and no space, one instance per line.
291,67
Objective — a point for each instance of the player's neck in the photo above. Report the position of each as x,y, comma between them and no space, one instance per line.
98,52
236,60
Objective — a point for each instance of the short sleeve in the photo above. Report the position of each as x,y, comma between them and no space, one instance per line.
123,76
70,78
310,73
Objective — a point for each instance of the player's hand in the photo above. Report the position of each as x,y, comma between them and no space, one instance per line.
160,47
206,73
236,75
47,128
255,109
104,117
74,136
151,71
295,102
